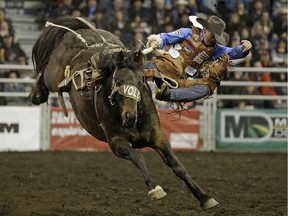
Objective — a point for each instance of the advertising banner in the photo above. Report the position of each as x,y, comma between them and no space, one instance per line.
183,132
19,128
257,130
68,134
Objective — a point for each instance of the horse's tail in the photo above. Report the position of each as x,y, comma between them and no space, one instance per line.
39,93
48,40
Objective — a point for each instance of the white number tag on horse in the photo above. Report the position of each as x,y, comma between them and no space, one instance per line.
130,91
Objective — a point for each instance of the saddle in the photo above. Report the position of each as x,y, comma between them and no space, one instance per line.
84,80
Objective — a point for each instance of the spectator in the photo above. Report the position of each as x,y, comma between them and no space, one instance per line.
120,26
22,59
281,20
235,76
10,50
4,30
106,5
159,15
118,5
137,9
76,12
257,10
267,24
259,40
266,77
99,20
279,59
184,21
140,26
15,87
63,9
180,7
193,7
9,22
209,7
279,54
255,76
278,6
234,24
244,33
239,76
243,14
90,9
250,103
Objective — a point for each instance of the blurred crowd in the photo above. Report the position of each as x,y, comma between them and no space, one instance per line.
263,22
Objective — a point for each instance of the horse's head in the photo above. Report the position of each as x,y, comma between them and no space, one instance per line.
125,83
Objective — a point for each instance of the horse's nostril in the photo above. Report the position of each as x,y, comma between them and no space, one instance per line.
129,119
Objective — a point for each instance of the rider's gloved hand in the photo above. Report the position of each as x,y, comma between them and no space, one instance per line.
246,45
154,41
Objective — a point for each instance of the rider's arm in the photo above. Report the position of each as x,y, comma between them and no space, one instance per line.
233,52
175,36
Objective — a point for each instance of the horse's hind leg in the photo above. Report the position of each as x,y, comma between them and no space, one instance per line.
172,161
123,149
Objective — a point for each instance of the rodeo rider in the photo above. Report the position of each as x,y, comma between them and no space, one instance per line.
190,48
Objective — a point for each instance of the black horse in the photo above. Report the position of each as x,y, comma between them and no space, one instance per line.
108,92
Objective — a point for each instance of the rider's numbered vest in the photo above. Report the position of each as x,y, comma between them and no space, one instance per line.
192,52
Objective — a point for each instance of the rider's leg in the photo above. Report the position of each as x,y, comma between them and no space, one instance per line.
191,93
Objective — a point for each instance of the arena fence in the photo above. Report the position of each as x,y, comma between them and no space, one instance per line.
212,120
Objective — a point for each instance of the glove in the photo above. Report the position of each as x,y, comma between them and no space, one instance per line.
246,45
218,69
153,41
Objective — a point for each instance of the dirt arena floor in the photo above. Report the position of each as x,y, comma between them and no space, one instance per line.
99,183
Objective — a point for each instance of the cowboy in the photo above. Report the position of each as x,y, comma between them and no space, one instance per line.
190,49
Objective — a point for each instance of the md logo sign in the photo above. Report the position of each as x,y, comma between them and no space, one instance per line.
252,127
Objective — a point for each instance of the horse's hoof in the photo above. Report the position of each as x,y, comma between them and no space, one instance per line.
210,203
156,193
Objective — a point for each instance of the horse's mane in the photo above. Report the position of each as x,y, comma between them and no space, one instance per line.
50,38
106,64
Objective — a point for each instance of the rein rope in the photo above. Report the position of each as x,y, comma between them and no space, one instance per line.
48,24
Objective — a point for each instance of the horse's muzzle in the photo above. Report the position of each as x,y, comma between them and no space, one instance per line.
129,119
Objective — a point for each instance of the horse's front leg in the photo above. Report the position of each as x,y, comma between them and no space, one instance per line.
123,149
172,161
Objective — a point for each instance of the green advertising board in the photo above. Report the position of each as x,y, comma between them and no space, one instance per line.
252,130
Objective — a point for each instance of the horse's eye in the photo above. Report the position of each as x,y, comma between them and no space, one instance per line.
117,82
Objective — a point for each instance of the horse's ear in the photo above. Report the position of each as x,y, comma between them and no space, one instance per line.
138,56
119,56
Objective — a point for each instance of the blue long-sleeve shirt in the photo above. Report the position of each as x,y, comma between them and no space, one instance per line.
185,33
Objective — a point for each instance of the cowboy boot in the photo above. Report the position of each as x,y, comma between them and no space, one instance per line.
164,94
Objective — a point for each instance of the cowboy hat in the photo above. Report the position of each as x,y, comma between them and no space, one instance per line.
194,22
216,26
